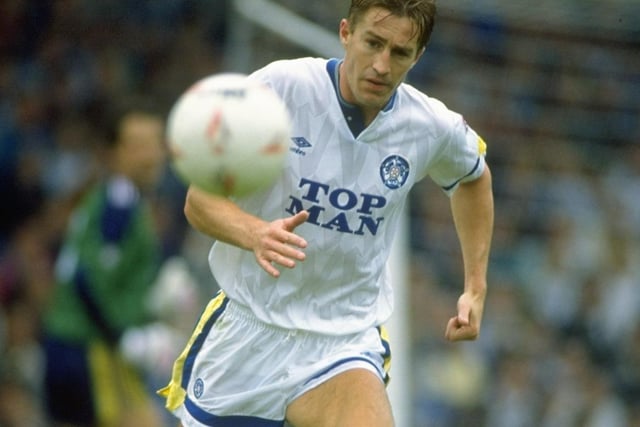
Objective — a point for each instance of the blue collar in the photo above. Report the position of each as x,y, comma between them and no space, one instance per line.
352,114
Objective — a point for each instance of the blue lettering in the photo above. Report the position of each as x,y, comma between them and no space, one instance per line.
371,201
340,222
343,199
312,194
297,151
371,224
314,214
350,203
232,92
314,211
294,207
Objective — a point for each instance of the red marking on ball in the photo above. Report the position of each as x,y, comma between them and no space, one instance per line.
228,184
274,147
212,131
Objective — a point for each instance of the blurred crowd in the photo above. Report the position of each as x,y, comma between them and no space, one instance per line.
63,63
560,344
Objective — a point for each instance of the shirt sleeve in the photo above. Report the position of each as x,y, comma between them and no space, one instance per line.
462,158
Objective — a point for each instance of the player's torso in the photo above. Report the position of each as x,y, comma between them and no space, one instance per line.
354,188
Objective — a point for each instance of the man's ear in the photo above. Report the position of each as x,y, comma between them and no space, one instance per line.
344,32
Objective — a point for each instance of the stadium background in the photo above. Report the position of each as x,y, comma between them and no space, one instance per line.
554,88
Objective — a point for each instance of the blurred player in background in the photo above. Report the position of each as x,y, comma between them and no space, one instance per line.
108,262
296,335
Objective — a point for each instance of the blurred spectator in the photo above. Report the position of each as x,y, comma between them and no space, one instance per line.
104,273
25,283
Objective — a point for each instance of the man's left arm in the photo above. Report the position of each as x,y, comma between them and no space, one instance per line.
472,208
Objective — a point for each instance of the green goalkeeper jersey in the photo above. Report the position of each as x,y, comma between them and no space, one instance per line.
106,267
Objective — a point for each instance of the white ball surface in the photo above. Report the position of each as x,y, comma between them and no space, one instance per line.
229,135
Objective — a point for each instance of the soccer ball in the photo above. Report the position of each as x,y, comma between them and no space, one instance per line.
228,135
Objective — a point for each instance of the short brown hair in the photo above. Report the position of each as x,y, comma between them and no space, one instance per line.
421,12
116,112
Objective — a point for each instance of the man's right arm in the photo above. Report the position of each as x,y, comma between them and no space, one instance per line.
271,242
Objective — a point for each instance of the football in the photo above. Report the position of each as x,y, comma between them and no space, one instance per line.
228,135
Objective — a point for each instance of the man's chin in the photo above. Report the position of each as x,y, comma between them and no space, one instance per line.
374,102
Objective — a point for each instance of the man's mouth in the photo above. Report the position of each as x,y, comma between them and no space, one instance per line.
377,84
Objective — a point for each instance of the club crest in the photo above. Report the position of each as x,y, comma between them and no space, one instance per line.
394,171
198,388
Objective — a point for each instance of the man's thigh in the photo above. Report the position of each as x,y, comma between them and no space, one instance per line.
353,398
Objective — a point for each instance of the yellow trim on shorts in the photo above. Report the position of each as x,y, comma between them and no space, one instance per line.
117,389
386,365
174,393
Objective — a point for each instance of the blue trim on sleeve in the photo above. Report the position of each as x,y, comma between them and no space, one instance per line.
227,421
475,168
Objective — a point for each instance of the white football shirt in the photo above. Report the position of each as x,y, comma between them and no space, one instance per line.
354,187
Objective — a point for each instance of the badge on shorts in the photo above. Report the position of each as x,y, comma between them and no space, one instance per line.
394,171
198,388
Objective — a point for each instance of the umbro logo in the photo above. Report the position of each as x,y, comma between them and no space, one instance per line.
300,143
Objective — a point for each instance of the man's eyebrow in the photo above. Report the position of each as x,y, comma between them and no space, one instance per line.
403,49
400,49
370,33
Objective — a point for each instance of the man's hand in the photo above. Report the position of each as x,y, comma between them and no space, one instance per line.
275,243
466,325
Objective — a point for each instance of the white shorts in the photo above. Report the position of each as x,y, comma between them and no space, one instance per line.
238,371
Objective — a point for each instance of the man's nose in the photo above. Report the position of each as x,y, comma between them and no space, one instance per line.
381,62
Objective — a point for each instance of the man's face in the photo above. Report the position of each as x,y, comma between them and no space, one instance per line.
140,153
379,52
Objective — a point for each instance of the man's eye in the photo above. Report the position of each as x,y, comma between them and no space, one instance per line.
373,43
402,53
